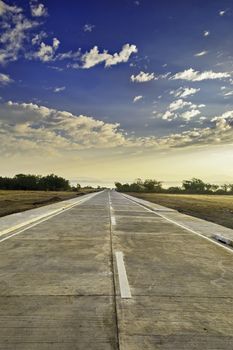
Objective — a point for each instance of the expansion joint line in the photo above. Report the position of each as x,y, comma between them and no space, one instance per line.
113,274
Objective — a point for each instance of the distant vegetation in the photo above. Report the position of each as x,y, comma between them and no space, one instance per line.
193,186
37,183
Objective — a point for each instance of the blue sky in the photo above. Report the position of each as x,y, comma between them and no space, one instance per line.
90,85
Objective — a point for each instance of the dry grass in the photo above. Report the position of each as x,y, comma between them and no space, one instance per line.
17,201
215,208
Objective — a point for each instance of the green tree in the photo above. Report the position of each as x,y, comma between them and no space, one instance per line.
152,185
194,186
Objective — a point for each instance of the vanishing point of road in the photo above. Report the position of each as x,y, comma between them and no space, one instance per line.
110,274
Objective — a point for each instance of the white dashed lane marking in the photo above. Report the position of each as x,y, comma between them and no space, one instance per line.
122,275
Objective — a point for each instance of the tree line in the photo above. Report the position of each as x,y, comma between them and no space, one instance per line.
193,186
36,183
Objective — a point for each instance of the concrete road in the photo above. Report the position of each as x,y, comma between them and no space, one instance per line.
61,286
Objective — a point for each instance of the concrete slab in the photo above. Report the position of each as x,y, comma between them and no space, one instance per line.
206,228
179,282
57,323
56,283
59,283
18,220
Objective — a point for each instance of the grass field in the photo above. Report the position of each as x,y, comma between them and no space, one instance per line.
215,208
16,201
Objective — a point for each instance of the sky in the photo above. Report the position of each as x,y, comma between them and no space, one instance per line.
105,91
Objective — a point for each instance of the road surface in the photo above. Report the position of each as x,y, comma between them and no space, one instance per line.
110,274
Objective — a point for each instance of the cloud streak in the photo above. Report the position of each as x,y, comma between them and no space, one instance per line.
5,79
202,53
192,75
137,98
184,92
142,77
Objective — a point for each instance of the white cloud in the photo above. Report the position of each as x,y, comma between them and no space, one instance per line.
190,114
206,33
192,75
142,77
184,92
137,98
46,52
220,132
168,115
5,79
202,53
188,110
88,27
179,104
94,57
15,32
59,69
27,126
163,76
18,31
7,8
38,10
37,38
69,55
59,89
229,93
222,12
13,38
38,130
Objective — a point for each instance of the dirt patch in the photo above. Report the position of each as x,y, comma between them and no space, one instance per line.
48,201
16,201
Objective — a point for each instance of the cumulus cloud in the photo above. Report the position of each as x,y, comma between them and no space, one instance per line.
38,10
27,127
46,52
202,53
5,79
168,115
181,109
8,8
137,98
59,89
192,75
15,32
32,127
88,27
184,92
220,132
190,114
94,57
179,104
142,77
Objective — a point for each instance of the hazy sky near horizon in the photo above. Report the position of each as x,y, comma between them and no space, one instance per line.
104,91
